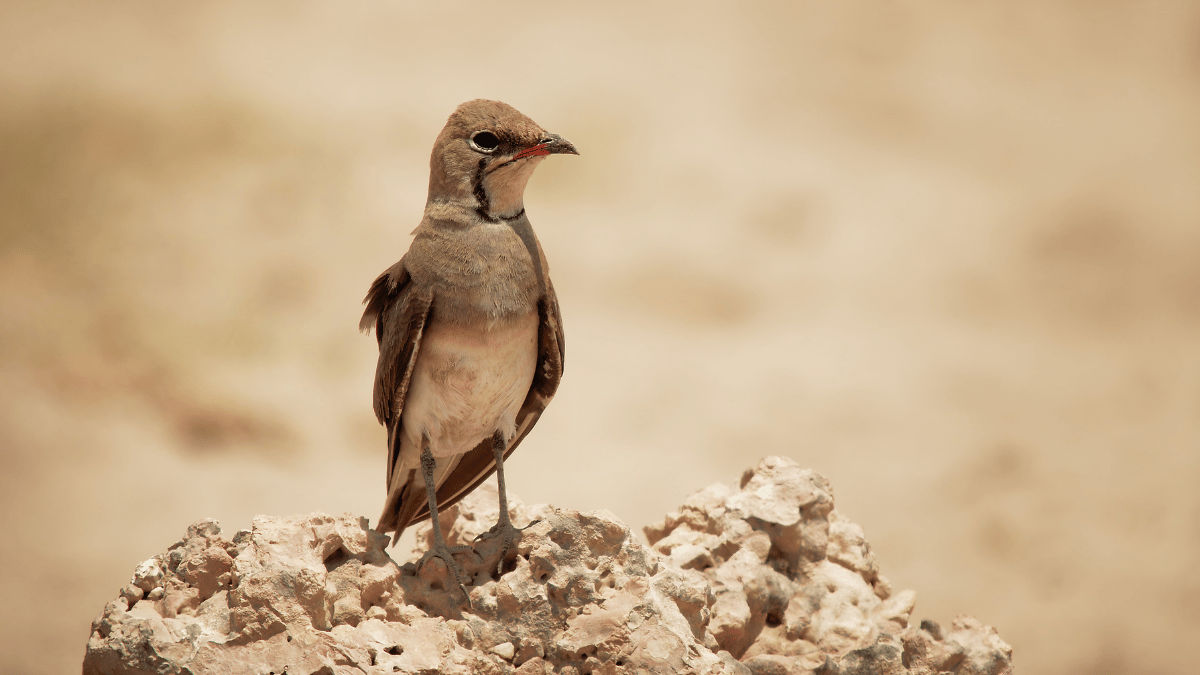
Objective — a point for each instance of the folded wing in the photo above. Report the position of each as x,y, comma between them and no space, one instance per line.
399,313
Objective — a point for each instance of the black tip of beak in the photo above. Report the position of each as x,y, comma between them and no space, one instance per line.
557,145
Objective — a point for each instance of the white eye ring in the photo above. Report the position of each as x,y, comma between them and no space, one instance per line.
484,141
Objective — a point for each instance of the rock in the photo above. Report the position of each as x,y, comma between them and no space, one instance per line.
768,578
505,650
148,575
797,588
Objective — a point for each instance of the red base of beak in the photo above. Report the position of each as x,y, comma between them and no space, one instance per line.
534,151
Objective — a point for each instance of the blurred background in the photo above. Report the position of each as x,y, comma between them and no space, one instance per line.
946,253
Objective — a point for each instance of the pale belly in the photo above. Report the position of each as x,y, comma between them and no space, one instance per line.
469,383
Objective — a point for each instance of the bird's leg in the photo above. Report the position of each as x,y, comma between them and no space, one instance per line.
503,528
439,542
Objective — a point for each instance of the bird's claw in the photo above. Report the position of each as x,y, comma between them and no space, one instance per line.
446,553
509,537
496,528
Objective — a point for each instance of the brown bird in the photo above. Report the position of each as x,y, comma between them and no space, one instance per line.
470,340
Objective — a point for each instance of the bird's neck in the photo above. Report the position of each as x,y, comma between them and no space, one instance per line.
494,193
501,191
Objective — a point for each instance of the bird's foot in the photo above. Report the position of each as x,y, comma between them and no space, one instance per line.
509,537
446,553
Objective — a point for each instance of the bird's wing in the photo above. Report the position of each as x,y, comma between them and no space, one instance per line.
479,463
399,311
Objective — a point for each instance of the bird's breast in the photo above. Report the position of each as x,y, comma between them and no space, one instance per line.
486,272
470,381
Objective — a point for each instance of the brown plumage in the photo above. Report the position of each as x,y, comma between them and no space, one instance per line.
470,340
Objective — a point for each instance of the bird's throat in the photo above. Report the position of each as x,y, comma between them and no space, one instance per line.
505,187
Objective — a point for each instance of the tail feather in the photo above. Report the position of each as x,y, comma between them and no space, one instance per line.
402,504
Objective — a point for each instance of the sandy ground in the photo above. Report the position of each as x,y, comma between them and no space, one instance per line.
947,254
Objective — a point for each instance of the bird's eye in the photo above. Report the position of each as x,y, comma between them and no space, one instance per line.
485,141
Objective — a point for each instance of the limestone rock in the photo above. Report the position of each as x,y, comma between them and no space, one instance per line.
768,578
797,588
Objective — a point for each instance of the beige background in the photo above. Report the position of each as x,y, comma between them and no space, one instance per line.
946,253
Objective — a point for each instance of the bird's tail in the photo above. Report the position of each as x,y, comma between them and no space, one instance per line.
401,506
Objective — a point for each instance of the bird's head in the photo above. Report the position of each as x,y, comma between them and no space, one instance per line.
485,155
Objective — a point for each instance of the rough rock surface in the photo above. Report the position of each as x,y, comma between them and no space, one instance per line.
764,579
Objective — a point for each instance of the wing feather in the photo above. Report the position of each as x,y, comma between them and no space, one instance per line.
399,313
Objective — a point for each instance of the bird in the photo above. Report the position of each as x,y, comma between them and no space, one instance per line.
471,344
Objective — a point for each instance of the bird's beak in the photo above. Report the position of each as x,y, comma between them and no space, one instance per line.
551,144
557,145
